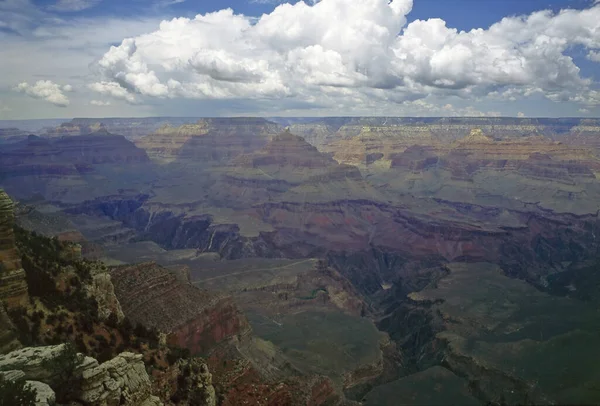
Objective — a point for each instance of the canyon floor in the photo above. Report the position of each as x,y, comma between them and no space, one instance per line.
375,261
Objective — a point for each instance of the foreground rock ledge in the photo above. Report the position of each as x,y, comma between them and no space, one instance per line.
122,380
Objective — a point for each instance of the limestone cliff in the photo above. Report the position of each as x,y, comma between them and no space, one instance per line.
192,318
13,287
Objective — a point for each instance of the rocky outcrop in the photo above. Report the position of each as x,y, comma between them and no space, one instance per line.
13,286
192,318
44,395
122,380
8,334
194,383
103,290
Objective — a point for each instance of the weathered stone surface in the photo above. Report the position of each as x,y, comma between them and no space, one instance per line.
197,386
122,380
31,361
103,290
13,287
13,375
44,395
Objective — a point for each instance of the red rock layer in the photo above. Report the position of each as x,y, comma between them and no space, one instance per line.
193,318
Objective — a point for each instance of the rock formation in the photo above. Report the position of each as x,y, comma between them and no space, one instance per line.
69,165
192,318
122,380
13,287
103,290
131,128
195,386
208,140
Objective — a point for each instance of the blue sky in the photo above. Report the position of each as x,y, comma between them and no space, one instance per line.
328,57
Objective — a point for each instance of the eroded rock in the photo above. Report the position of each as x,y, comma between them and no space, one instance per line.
122,380
103,290
13,286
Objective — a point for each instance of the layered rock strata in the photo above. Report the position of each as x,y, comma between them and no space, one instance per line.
13,286
208,140
192,318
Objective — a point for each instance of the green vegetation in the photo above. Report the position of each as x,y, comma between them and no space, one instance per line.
16,392
62,310
326,343
45,260
64,380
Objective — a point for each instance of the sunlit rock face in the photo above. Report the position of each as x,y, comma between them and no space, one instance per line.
13,286
130,128
211,139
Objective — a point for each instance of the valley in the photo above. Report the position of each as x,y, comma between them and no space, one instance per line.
350,260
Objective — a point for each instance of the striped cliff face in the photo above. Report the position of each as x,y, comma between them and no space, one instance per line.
13,287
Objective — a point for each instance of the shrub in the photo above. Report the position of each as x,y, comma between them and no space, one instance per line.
19,318
62,367
177,353
16,392
113,320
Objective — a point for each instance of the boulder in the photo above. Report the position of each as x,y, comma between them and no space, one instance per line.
122,380
44,395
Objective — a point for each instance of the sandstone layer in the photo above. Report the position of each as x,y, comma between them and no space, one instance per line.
192,318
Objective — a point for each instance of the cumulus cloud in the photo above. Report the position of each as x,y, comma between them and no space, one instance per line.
46,90
594,56
112,89
334,52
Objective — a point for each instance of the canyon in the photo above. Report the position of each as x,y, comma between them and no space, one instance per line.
351,260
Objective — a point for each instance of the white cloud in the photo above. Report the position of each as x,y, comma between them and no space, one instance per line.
73,5
520,114
306,52
99,103
327,57
594,56
112,89
45,90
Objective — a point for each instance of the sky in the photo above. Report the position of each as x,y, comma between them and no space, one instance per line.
108,58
